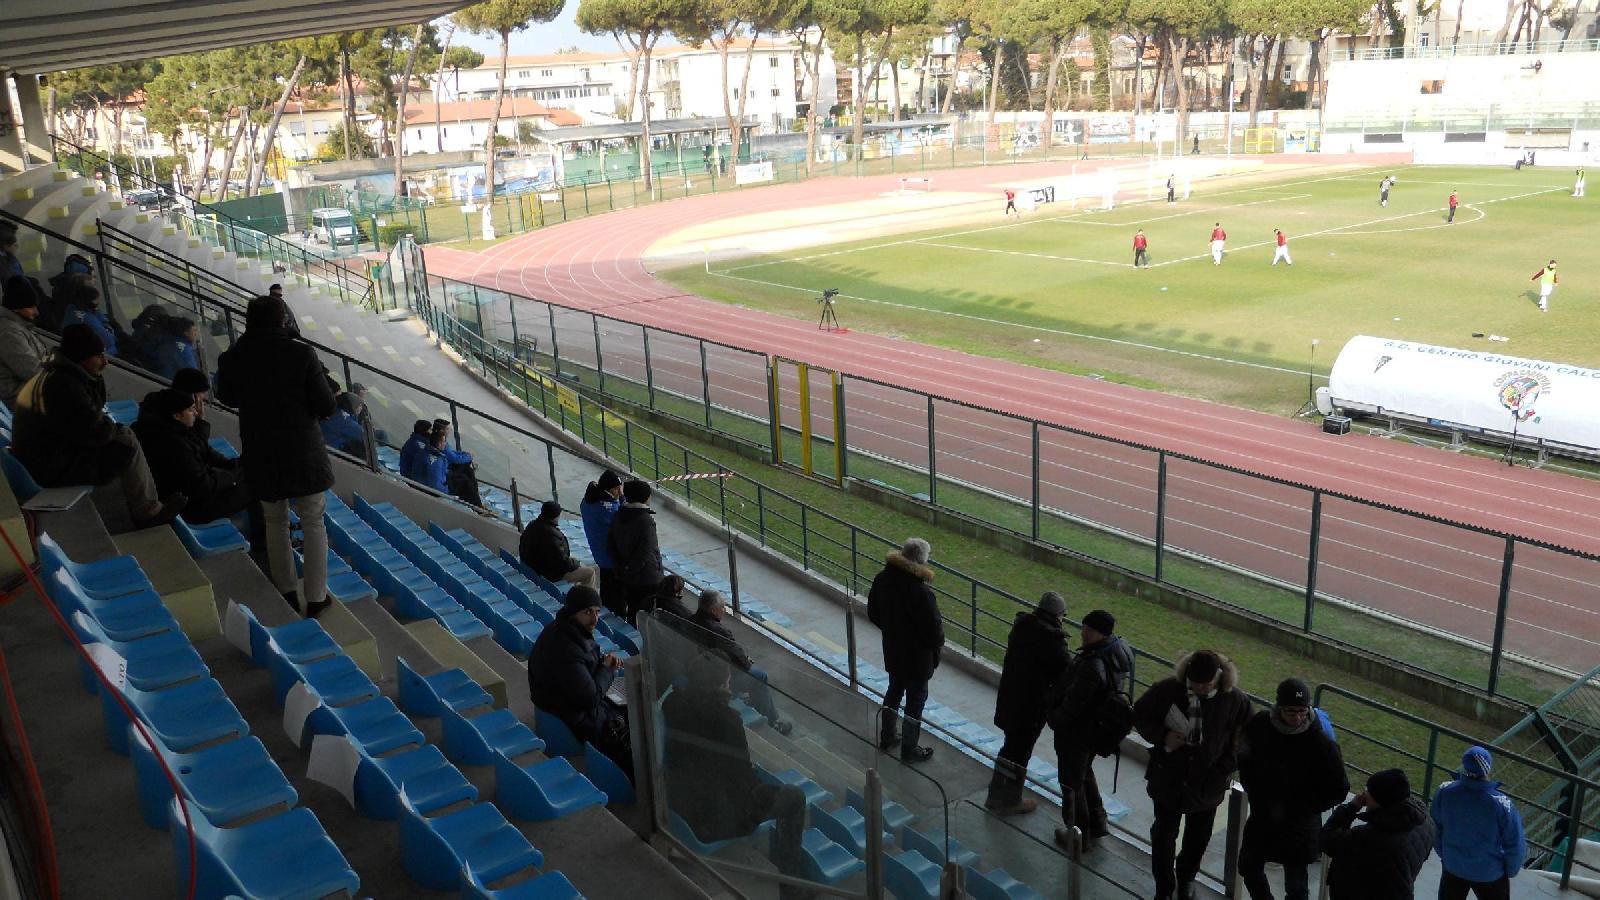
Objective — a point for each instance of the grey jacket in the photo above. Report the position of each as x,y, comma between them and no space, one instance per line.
22,350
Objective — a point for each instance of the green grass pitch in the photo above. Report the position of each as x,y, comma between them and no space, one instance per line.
1057,287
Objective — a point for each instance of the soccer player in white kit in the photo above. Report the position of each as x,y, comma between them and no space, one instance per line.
1282,251
1218,239
1577,187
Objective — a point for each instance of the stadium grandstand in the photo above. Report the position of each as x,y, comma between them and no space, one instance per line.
172,727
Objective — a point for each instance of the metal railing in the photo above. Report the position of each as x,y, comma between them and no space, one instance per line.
1443,51
1481,606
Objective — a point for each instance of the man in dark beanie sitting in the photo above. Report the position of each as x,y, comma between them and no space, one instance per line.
182,461
195,383
1293,773
62,434
23,348
568,678
1379,858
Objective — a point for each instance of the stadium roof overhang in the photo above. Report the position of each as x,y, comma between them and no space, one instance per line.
51,35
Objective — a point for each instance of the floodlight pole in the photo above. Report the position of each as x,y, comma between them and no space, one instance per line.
1310,405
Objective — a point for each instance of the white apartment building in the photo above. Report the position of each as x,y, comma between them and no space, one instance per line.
464,124
685,82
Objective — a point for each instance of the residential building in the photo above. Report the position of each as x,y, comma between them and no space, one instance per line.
464,124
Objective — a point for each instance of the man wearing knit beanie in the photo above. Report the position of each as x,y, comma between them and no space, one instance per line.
23,348
1379,858
1293,773
61,433
568,678
1083,717
1036,657
1478,833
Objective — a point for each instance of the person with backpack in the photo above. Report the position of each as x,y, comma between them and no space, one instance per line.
1292,773
1193,721
1090,718
1036,658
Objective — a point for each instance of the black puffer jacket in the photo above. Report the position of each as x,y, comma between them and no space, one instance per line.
282,394
544,549
1099,669
181,460
635,550
710,781
1292,779
902,604
716,637
1036,658
1380,858
1192,778
567,679
60,430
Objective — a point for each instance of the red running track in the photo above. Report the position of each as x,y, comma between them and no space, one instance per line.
1443,577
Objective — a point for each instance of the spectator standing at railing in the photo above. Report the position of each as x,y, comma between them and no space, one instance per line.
281,392
23,348
1379,858
414,452
61,433
601,500
902,604
1193,721
1036,658
1477,832
748,681
182,462
1292,773
635,549
545,549
711,781
1090,719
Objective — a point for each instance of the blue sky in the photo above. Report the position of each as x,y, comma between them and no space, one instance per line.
563,32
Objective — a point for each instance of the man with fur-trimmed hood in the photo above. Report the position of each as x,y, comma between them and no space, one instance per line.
902,604
1193,721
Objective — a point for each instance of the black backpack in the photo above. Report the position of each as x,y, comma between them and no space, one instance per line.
1110,721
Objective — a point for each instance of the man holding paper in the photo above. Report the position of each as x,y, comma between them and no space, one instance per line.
1193,721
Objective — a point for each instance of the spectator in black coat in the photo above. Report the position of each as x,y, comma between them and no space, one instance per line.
568,678
748,681
902,604
635,549
1036,656
181,460
711,782
23,347
195,383
61,433
1102,668
1193,721
669,597
545,549
1379,858
1292,772
282,393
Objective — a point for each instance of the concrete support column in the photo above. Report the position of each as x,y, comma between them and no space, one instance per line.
10,133
35,134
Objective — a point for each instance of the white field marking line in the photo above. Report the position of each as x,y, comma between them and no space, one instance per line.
1481,216
1020,221
1459,184
1345,228
1061,332
1191,211
1098,262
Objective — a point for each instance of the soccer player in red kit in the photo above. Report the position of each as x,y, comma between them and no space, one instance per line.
1011,202
1282,252
1454,200
1218,238
1140,243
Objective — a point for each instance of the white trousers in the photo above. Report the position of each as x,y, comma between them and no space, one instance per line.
1545,290
1282,253
1216,253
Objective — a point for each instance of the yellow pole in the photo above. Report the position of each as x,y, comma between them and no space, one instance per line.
777,413
805,416
838,428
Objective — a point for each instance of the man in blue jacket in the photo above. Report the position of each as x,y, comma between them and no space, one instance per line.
1478,833
601,500
414,452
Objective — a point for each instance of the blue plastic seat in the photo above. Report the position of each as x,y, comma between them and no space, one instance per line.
932,845
909,875
826,861
558,738
428,695
285,856
209,539
549,886
895,816
18,476
122,412
181,717
681,830
473,741
102,579
550,789
223,448
300,641
125,618
376,726
844,826
224,783
998,884
422,772
155,662
336,679
816,794
608,777
436,850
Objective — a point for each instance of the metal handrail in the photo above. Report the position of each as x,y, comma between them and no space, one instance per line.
1447,51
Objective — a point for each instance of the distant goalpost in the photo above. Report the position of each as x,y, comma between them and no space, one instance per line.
1262,140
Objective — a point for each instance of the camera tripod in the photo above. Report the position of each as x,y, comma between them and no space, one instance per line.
829,321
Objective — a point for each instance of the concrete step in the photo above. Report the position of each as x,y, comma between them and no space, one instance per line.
183,587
